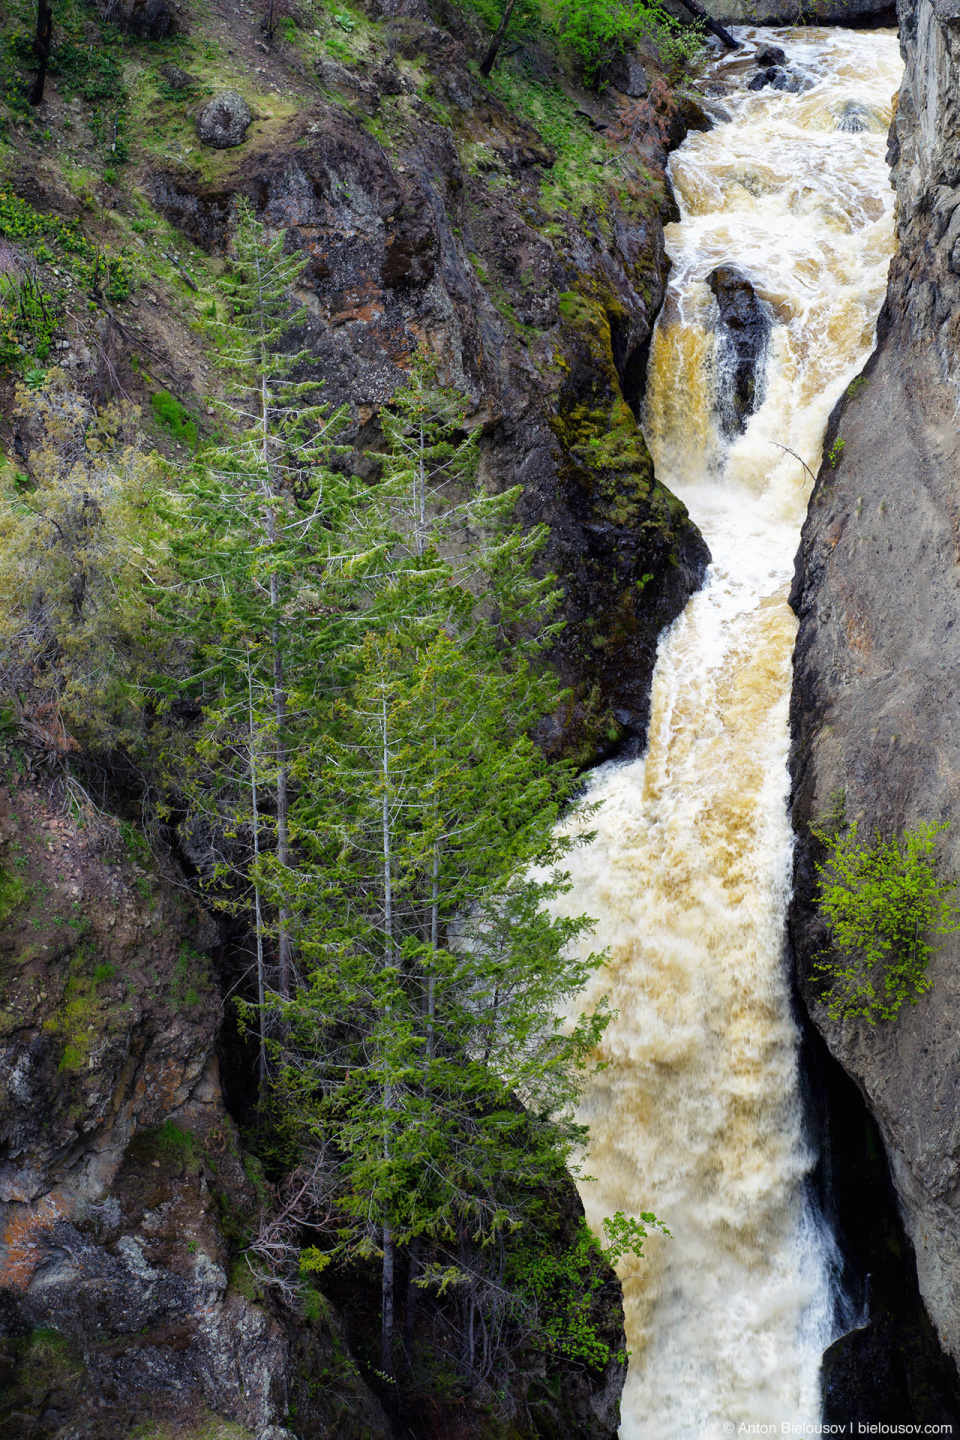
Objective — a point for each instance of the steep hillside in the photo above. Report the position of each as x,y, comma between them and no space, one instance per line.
515,226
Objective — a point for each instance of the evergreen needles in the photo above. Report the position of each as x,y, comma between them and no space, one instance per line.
367,665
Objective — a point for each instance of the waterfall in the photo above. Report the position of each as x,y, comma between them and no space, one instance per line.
697,1114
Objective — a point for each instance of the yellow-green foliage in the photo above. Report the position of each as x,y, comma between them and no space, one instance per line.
49,1359
210,1427
887,909
75,547
12,893
84,1016
607,445
575,180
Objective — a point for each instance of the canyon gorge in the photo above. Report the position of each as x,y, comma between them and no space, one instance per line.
700,308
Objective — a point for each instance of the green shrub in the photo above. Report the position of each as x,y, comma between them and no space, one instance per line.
175,1145
175,417
29,314
886,908
526,15
88,70
562,1283
28,317
13,891
599,30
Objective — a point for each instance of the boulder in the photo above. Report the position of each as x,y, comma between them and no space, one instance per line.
629,76
857,117
144,19
743,335
176,78
780,79
769,55
224,120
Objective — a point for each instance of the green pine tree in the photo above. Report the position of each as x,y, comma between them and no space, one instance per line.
429,1047
257,534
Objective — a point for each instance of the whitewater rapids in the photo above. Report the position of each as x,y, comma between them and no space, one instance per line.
698,1114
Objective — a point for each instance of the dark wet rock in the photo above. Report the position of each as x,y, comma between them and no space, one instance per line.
717,111
176,78
856,118
791,81
224,120
778,79
769,55
887,1364
628,75
143,19
867,1377
692,115
743,337
764,78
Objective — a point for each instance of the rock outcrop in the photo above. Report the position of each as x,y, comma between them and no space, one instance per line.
541,314
223,122
123,1182
868,14
876,692
743,336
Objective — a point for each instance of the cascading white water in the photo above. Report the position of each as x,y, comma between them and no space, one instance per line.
697,1115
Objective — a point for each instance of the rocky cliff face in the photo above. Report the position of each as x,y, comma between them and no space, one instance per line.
127,1198
434,211
878,596
123,1183
868,14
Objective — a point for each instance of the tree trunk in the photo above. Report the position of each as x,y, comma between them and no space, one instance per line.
490,59
432,977
410,1313
41,48
386,1326
258,912
284,946
389,1249
387,858
711,24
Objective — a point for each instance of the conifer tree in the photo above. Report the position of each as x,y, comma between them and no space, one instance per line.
437,978
255,532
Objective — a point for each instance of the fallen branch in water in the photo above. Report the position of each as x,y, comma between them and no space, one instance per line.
788,451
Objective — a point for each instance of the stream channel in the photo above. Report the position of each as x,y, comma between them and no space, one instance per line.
698,1114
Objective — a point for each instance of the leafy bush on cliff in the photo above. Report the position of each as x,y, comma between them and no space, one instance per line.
886,907
600,30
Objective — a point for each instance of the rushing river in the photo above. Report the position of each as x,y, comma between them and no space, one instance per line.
698,1114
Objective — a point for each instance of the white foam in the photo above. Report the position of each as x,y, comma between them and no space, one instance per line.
698,1115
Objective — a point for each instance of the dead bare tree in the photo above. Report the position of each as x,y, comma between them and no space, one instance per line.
42,42
490,59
